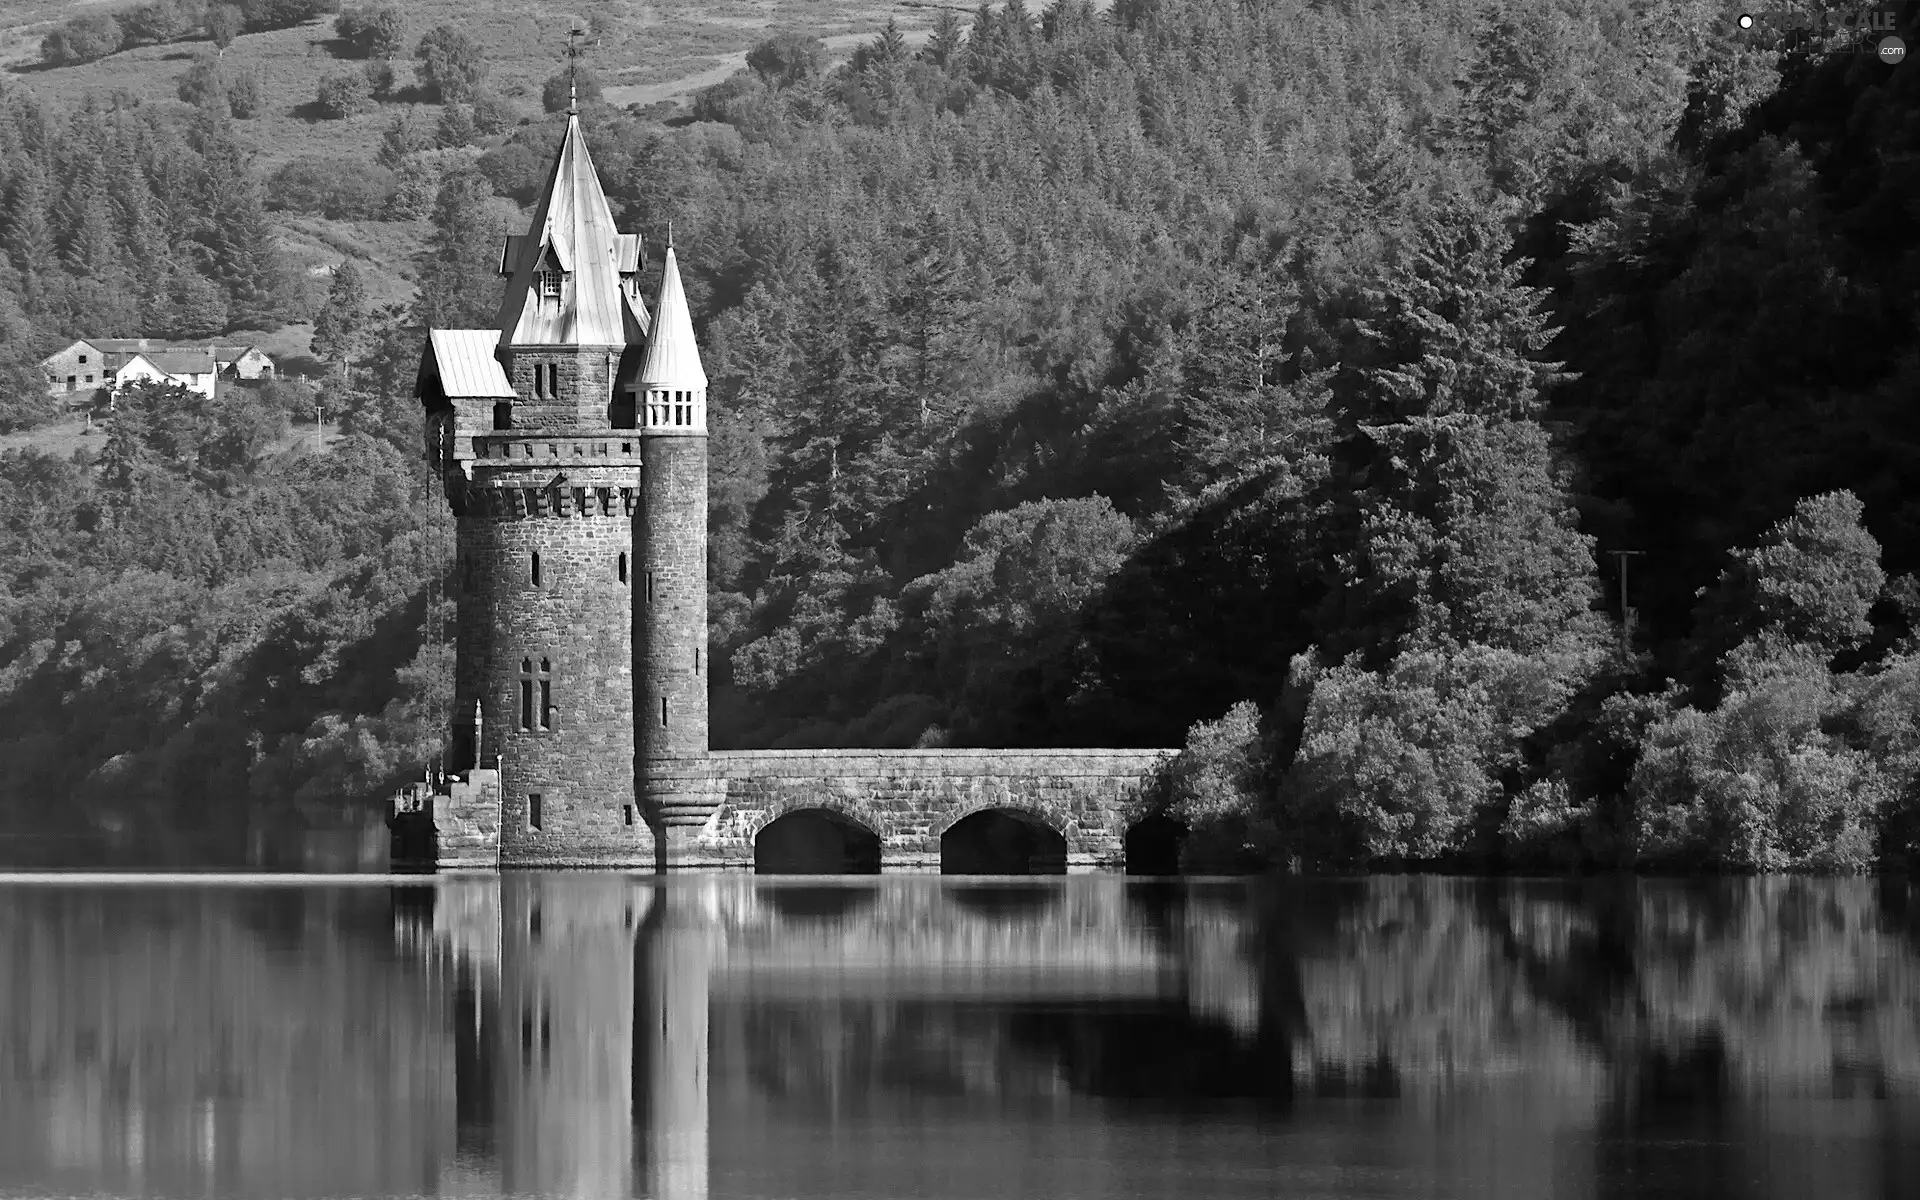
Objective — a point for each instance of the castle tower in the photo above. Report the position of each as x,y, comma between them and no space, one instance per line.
534,428
670,598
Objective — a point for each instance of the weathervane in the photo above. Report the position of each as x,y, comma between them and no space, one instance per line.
576,50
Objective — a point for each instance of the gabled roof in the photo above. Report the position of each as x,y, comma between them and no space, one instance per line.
177,362
598,305
673,357
463,361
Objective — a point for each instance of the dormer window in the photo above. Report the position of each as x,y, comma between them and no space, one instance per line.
550,283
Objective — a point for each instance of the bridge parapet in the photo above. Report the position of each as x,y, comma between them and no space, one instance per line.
909,798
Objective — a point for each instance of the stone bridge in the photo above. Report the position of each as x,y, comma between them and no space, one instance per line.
962,811
905,802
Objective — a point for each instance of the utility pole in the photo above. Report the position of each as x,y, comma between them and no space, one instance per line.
1626,613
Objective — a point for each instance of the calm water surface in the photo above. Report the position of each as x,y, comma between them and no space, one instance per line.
910,1037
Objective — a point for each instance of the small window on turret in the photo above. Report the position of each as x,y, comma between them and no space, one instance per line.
623,566
534,574
503,415
550,283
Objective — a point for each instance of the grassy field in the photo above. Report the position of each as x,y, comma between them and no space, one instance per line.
644,51
62,438
660,50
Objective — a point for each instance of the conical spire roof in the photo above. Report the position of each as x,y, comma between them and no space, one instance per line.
673,358
572,233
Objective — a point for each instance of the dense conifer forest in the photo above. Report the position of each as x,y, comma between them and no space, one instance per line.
1275,379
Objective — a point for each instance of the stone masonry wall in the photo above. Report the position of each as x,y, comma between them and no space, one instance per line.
584,399
910,797
570,630
670,613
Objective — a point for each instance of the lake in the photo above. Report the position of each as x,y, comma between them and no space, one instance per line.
896,1038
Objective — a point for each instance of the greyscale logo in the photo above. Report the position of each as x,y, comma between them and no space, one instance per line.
1862,31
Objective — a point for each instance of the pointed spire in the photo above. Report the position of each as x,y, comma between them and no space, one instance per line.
673,357
569,277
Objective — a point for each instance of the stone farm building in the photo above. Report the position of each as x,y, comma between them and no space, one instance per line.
571,441
90,365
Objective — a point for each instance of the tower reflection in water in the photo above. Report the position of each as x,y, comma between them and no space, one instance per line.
588,1015
580,1032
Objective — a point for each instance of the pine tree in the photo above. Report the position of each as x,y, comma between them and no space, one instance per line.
1452,330
341,327
946,44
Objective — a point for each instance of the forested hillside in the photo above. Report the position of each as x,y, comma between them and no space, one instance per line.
1276,379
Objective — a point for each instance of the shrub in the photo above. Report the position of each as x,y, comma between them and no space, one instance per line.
1218,789
452,65
402,137
341,188
373,30
344,94
162,21
1758,784
788,58
246,95
83,39
415,185
455,128
1395,764
493,113
224,23
555,92
380,79
282,14
204,83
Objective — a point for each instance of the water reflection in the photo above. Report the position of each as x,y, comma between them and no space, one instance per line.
601,1035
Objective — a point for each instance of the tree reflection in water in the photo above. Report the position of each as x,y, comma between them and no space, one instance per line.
599,1035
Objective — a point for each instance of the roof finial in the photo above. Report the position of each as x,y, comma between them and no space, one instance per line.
669,235
574,51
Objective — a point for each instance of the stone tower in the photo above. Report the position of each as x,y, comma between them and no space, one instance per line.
670,598
535,428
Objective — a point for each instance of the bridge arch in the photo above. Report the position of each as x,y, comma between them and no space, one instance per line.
1035,814
1152,845
815,837
1002,839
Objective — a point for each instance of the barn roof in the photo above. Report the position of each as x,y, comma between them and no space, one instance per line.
599,304
179,362
463,361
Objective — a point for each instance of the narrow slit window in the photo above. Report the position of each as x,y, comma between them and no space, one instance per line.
623,566
553,380
696,662
526,694
533,810
627,811
546,694
663,712
534,573
649,587
539,382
